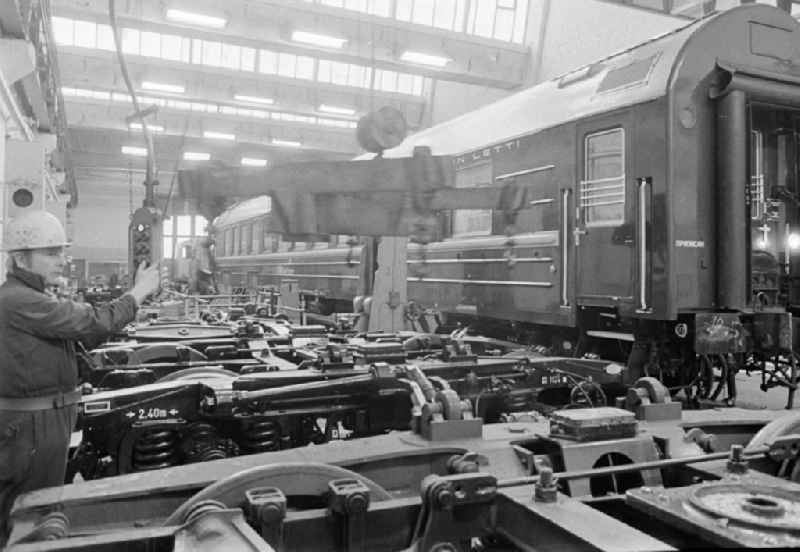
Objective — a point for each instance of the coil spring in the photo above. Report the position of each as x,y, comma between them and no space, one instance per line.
202,443
155,449
260,435
517,401
201,431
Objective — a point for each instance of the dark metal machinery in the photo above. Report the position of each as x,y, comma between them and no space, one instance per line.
512,486
223,407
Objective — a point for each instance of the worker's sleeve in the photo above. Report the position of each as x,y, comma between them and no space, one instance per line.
47,317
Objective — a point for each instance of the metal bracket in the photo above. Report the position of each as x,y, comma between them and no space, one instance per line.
348,504
453,508
266,510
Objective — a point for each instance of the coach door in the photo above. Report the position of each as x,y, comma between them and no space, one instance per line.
603,235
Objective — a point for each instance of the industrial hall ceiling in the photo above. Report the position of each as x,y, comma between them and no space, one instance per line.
262,82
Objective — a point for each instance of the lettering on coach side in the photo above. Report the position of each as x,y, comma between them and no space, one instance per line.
485,153
692,244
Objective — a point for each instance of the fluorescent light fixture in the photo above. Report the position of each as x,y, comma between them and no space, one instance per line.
218,135
424,59
253,162
152,128
134,150
161,87
337,110
196,156
287,143
192,18
253,99
325,41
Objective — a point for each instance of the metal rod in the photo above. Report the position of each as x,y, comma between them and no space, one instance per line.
287,390
479,282
479,261
643,243
565,247
523,172
627,468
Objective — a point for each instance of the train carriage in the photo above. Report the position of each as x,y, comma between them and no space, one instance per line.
657,206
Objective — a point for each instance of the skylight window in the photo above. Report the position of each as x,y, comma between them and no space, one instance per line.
315,39
192,18
205,107
231,56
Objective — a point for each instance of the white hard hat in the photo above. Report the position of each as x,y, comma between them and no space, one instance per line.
34,230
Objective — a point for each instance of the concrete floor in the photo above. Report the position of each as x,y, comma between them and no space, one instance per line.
751,396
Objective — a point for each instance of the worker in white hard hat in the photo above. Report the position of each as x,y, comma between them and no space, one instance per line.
38,368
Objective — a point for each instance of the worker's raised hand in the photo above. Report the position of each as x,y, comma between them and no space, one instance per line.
148,281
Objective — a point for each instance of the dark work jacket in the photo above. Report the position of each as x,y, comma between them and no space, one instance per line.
38,334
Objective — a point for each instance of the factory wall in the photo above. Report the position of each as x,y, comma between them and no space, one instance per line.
578,32
101,220
562,35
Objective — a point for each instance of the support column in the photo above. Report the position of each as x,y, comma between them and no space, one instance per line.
389,287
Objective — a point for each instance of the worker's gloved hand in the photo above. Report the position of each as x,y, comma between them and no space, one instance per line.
148,282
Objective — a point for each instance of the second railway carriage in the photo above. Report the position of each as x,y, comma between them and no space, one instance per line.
660,210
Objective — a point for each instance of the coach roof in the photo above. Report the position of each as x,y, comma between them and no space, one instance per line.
630,77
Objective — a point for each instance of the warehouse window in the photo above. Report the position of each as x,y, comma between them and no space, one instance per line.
286,65
63,30
87,34
180,228
130,41
207,107
150,44
344,74
603,190
500,19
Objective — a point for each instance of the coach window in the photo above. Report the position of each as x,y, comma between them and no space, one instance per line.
473,222
246,236
255,248
268,242
603,190
227,249
757,190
